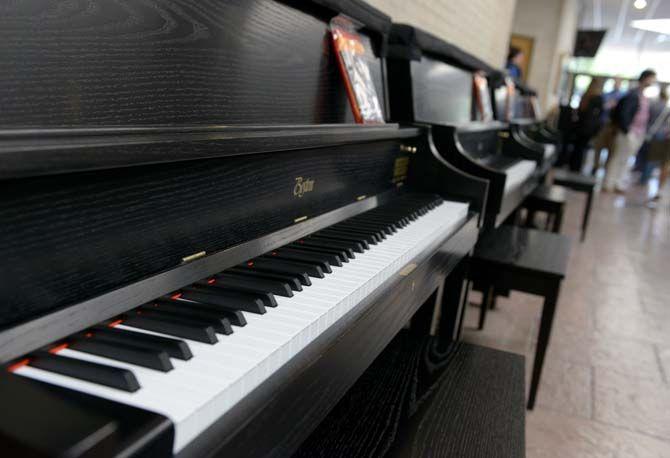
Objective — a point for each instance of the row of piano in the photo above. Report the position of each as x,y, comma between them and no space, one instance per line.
201,252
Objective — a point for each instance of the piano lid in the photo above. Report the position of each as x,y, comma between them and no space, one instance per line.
409,42
222,79
260,62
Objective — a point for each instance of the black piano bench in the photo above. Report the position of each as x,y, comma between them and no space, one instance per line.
580,183
420,400
527,260
546,199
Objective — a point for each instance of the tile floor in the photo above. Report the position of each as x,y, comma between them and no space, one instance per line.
605,389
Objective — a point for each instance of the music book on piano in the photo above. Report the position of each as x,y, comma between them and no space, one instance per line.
361,91
482,97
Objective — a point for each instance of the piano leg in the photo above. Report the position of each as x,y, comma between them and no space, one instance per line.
487,303
452,305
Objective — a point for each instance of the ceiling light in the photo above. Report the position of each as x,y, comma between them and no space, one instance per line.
640,4
652,25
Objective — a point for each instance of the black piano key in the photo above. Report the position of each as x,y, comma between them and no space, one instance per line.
221,325
267,299
397,223
355,246
235,317
370,237
292,253
198,294
358,242
383,229
172,327
174,347
346,251
278,287
301,257
343,255
376,234
121,379
153,359
263,294
291,280
289,267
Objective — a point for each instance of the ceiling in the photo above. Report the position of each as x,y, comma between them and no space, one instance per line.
616,15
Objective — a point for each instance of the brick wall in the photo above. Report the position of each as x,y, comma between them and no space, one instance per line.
481,27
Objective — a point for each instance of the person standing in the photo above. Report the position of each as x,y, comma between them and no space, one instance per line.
658,139
588,121
630,118
515,59
605,138
643,163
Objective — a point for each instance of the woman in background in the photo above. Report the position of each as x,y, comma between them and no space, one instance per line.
515,59
589,122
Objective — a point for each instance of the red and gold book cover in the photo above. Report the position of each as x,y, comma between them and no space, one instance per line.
482,97
350,52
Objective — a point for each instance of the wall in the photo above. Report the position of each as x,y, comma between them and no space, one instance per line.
481,27
552,24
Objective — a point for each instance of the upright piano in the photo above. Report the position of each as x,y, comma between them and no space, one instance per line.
431,84
200,251
524,120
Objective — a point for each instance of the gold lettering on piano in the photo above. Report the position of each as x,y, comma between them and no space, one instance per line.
361,197
400,167
302,218
503,134
193,257
408,269
302,186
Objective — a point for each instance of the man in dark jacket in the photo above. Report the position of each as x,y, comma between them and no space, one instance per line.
630,118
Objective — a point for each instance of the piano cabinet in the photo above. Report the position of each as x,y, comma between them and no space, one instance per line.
120,195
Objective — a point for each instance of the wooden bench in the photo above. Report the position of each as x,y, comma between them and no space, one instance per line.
527,260
580,183
547,199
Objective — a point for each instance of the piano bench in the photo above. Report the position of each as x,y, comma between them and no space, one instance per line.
527,260
580,183
546,199
419,400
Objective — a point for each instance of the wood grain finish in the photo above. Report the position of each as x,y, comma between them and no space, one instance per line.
33,152
108,63
418,400
67,238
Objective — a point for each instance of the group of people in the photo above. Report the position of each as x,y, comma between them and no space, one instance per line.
625,124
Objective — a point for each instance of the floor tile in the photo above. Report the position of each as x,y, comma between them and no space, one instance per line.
567,388
555,435
637,405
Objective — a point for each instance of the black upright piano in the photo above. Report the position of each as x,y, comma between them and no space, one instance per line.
201,252
516,103
431,83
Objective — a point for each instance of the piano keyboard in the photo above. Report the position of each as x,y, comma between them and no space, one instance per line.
194,354
518,173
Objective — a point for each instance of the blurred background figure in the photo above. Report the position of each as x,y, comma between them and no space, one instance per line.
515,59
643,163
630,118
658,140
605,138
589,122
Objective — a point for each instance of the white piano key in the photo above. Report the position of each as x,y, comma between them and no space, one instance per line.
518,173
219,375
